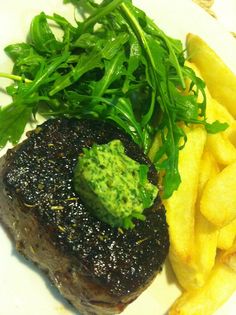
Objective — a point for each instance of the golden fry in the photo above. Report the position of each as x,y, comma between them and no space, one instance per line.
219,144
206,237
222,148
218,202
193,272
181,208
222,145
202,213
205,301
181,205
209,169
220,80
227,235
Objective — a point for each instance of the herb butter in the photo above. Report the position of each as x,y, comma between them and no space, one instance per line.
112,185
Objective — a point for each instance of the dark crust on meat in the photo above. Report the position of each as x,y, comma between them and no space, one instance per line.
39,175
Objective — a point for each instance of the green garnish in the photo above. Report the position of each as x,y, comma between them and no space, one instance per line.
115,65
114,186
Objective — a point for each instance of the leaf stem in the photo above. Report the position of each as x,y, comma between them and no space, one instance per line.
14,77
99,14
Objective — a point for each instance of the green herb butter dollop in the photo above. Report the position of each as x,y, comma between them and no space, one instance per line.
112,185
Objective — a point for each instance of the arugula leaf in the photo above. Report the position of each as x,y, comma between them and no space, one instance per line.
26,60
13,120
41,36
216,127
114,69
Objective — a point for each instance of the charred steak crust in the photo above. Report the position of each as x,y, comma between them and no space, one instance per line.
38,175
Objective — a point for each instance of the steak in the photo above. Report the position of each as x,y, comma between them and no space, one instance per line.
97,268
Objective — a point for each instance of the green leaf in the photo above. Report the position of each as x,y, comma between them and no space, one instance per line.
216,127
114,45
113,70
16,51
87,62
13,119
41,36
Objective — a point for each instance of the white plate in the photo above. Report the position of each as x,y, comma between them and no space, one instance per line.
23,289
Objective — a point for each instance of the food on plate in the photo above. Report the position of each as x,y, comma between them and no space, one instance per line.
98,268
216,290
80,195
221,144
208,275
113,185
219,78
207,299
181,206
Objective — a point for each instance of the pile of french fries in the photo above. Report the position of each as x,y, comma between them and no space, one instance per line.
202,213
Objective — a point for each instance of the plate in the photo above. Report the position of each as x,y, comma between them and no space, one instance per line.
25,290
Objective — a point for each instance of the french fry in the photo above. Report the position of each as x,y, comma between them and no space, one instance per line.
220,80
219,144
222,145
194,272
206,234
208,282
222,148
227,235
223,115
180,207
186,270
206,300
221,112
206,237
209,169
218,202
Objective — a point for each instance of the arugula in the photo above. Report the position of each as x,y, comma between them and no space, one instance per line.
114,65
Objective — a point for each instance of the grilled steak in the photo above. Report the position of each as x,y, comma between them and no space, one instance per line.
99,269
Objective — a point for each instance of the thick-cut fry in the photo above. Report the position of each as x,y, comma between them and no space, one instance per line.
220,80
193,273
221,112
222,148
205,301
220,144
218,202
206,234
227,235
206,237
181,208
209,169
209,282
